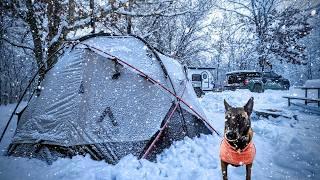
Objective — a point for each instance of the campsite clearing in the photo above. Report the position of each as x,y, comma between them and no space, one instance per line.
276,140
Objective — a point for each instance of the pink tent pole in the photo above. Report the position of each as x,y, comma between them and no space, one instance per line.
159,134
155,82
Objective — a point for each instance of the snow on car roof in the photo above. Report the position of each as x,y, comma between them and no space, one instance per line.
208,68
242,71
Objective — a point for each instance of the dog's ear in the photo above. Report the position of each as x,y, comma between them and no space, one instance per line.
249,106
226,105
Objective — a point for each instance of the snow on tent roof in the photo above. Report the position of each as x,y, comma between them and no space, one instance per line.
130,49
178,76
81,104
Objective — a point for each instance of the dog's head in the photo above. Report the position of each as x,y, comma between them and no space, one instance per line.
237,120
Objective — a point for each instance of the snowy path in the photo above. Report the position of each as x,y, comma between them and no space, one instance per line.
286,149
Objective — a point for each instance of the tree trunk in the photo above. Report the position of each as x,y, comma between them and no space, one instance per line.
71,11
38,49
129,18
92,22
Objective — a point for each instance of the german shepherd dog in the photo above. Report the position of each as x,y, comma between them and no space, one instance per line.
237,147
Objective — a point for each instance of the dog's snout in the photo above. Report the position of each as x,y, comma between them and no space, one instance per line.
231,135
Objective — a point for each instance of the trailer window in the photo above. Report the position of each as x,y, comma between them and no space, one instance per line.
196,77
204,76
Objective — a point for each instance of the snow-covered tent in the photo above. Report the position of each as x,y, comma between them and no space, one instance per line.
109,96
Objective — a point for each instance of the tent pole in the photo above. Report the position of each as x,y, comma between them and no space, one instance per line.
164,126
159,134
166,73
156,82
24,93
21,98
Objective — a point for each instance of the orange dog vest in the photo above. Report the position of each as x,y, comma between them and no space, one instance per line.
230,155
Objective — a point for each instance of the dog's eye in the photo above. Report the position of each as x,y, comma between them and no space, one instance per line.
242,118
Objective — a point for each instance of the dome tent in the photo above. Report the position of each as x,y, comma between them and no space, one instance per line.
109,96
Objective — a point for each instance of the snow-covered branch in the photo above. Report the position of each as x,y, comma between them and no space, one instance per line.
233,11
156,13
16,44
80,23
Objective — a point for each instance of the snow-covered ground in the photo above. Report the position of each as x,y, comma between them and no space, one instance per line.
286,148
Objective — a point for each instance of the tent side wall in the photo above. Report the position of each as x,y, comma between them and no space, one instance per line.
49,115
110,152
181,124
108,118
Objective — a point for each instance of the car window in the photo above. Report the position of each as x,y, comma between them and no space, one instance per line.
267,74
273,74
253,74
232,79
241,77
196,77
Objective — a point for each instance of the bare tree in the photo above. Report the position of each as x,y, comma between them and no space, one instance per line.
41,27
276,26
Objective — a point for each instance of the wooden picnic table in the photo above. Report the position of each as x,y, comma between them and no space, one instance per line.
313,84
306,88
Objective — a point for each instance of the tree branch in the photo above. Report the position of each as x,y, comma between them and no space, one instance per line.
159,13
241,4
230,10
16,44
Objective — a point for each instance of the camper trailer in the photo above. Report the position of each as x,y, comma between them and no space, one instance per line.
202,78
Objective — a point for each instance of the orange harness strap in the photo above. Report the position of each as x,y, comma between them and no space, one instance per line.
230,155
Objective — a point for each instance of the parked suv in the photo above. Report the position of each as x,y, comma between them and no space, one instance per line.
275,81
255,81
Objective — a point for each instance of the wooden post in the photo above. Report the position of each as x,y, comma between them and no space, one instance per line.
306,96
318,97
289,102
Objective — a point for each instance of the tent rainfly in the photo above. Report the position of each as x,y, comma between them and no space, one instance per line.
109,96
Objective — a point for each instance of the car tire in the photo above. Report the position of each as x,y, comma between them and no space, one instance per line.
198,91
233,89
286,86
257,88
